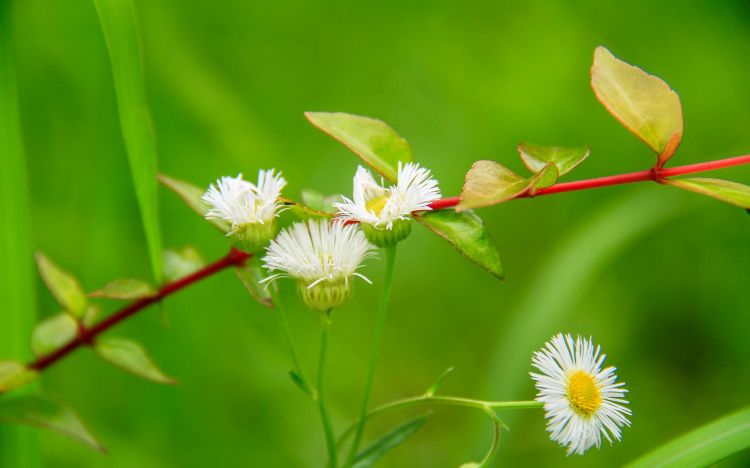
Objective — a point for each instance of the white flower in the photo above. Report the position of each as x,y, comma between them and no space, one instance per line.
379,206
323,256
240,202
582,402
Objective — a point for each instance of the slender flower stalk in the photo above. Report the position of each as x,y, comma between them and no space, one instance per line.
324,416
390,253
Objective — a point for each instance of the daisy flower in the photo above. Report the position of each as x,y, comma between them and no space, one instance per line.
583,403
322,256
385,212
250,209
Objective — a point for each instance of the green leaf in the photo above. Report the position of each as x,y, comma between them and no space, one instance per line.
438,383
250,273
299,382
131,357
118,21
63,286
179,263
724,190
92,312
372,454
14,374
53,333
536,157
643,103
377,144
191,195
46,413
466,232
546,177
317,201
125,289
704,446
489,183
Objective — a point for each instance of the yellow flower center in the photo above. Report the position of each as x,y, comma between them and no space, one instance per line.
376,205
583,393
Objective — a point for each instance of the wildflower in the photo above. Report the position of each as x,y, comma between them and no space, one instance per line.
385,212
322,256
582,402
250,209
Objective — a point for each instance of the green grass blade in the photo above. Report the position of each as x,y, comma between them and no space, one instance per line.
117,18
18,446
704,446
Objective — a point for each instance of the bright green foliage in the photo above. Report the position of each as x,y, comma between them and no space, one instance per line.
251,274
466,232
14,374
546,177
131,357
125,289
643,103
46,413
117,18
179,263
63,286
372,454
536,157
18,446
373,140
704,446
438,383
724,190
53,333
317,201
489,183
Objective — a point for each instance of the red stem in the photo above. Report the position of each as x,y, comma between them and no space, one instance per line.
655,174
86,336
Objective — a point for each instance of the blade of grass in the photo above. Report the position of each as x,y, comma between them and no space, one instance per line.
703,446
19,446
118,21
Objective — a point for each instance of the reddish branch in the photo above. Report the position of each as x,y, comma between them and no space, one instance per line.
86,336
655,174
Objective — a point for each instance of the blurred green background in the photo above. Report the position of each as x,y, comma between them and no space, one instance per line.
658,277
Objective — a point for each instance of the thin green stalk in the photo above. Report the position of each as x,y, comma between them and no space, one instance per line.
424,400
496,423
19,446
296,363
324,417
390,255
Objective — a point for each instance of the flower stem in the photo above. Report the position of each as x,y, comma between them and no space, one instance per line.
425,400
296,363
495,442
390,254
324,417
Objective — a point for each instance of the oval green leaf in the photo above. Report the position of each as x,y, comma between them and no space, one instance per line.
489,183
178,263
546,177
130,356
536,157
724,190
53,333
704,446
14,374
251,275
125,289
643,103
376,143
63,286
191,195
118,21
372,454
49,414
466,232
